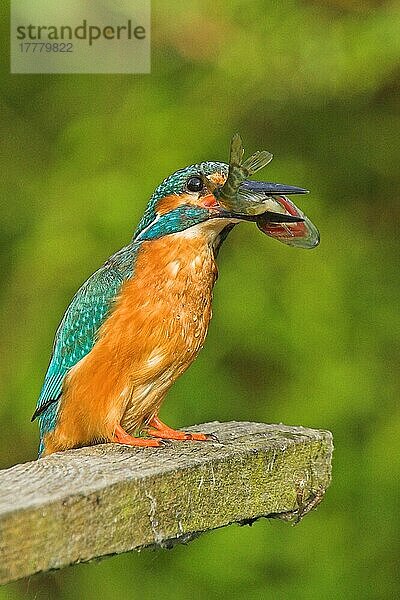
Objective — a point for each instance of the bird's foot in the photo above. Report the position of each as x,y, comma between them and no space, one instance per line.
158,429
121,437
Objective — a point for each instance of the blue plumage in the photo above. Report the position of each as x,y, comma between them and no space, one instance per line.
76,334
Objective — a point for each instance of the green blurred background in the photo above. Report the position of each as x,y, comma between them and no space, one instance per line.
303,337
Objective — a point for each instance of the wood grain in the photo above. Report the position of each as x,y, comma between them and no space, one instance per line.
73,506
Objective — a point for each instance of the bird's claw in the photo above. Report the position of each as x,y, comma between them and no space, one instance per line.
211,437
200,437
164,443
172,435
158,429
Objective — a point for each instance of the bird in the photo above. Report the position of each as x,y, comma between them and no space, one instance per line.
137,323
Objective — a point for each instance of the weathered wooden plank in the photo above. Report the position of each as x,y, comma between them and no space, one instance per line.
73,506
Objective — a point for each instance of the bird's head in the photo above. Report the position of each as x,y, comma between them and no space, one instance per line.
191,200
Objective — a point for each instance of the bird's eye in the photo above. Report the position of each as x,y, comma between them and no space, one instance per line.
194,184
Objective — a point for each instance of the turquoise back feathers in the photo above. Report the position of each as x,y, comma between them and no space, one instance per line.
76,334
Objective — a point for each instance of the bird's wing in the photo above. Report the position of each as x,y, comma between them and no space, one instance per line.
76,334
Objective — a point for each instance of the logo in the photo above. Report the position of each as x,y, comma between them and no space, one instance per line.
80,37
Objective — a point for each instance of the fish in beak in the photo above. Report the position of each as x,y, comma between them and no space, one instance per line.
277,216
264,202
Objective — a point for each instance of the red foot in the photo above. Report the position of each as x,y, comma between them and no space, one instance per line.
121,437
160,430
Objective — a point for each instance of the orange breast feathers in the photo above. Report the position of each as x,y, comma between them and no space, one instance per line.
155,331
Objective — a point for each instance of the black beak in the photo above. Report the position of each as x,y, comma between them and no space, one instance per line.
262,189
271,189
269,216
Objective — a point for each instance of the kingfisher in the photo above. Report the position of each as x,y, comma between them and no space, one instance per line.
141,319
